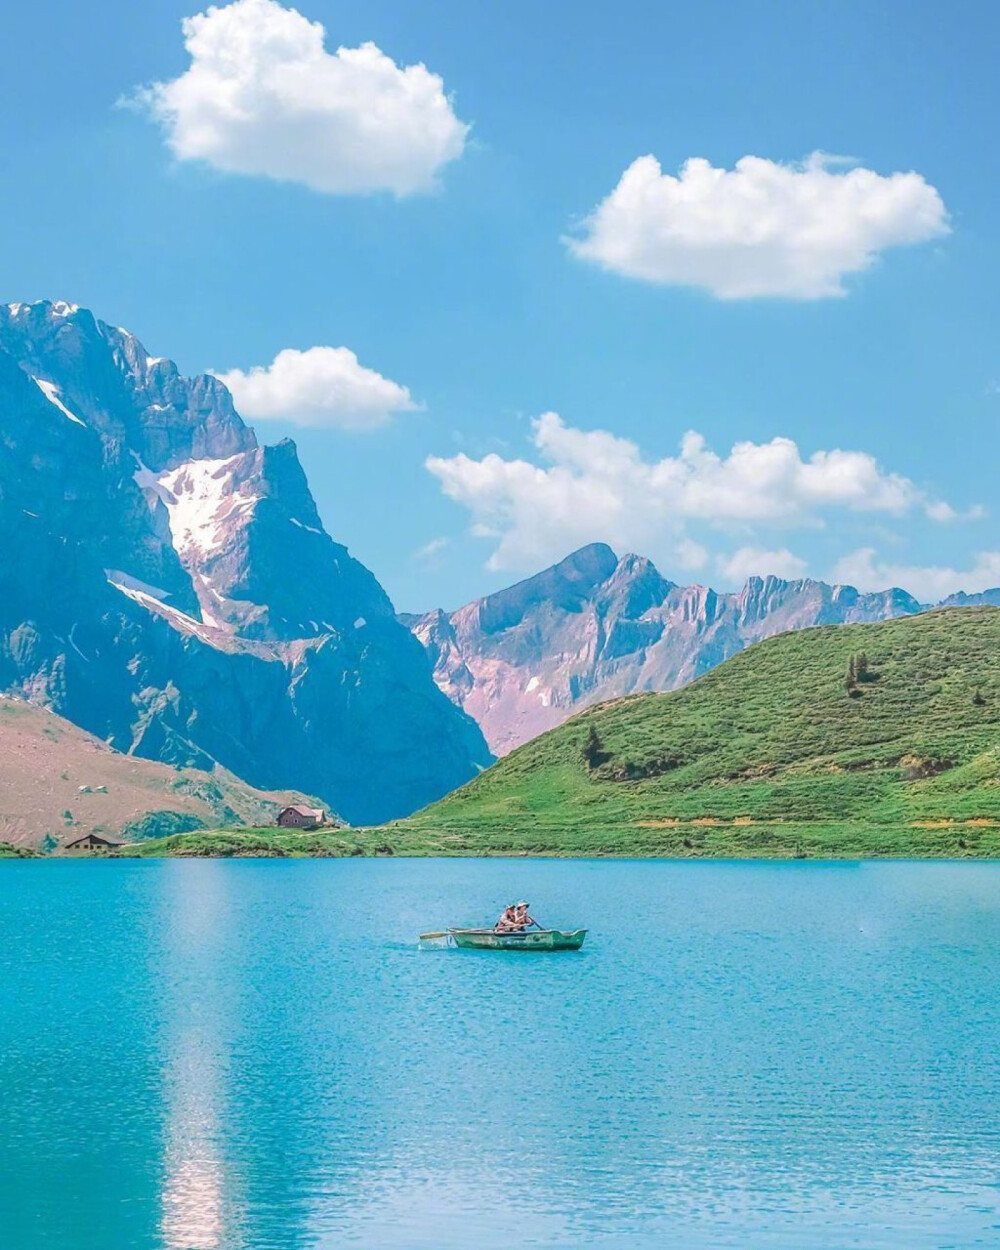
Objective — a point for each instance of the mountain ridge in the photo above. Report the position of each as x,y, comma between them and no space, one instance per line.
595,626
170,587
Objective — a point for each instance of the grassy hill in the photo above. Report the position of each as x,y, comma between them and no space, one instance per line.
58,782
776,752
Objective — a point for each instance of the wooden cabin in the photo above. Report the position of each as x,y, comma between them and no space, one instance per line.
92,842
296,817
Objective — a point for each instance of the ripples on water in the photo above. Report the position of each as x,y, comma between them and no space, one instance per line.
242,1055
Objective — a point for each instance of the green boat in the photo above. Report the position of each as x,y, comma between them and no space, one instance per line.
525,940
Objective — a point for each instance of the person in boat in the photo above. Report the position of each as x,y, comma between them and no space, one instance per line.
508,920
523,918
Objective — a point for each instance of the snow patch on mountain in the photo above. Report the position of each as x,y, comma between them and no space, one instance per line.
51,393
204,498
125,581
311,528
180,621
73,643
149,484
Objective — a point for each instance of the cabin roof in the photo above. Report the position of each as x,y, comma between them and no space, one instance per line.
313,813
100,837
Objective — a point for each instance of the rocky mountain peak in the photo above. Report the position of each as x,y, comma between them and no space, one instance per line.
634,586
964,600
168,585
592,563
591,628
106,378
566,585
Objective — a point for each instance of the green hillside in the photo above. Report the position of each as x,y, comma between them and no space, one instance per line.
852,740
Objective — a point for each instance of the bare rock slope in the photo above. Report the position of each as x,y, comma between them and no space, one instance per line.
594,627
57,783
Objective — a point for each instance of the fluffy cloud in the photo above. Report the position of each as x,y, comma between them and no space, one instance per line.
324,386
759,229
756,562
263,96
690,554
596,485
928,583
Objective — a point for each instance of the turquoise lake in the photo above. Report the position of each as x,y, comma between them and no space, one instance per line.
213,1055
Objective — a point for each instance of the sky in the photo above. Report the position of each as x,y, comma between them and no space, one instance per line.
717,283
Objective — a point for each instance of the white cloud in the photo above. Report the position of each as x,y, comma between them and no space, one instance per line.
756,562
263,96
598,486
429,552
928,583
759,229
690,554
941,511
324,386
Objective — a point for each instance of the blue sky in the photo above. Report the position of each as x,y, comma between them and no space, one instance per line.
468,296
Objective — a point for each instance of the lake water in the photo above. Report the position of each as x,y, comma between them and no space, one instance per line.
251,1054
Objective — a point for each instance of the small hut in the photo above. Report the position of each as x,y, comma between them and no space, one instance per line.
296,817
92,842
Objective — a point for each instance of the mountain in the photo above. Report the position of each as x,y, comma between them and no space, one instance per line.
963,600
595,627
847,740
167,584
59,783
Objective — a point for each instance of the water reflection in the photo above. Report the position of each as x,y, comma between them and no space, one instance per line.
193,916
192,1216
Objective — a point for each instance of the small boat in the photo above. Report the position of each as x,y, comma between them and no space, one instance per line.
522,940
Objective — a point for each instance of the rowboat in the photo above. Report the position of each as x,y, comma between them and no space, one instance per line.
525,940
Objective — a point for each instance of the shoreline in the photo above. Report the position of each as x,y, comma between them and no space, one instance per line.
831,841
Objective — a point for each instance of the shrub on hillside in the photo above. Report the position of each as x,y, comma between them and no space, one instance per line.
594,754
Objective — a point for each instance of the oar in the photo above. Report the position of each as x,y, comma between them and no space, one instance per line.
426,937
